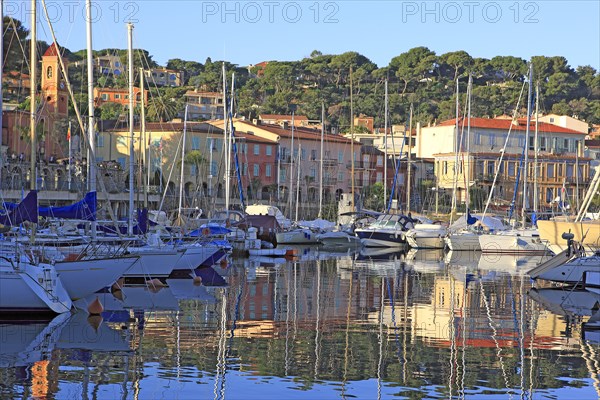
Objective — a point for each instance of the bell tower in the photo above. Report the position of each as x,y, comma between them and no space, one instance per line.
54,90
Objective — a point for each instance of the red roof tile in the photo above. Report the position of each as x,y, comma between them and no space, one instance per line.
51,51
283,117
504,124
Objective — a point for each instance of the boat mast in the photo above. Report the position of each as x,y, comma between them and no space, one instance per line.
144,154
468,182
131,137
526,157
385,143
408,166
298,181
226,143
535,149
352,141
457,148
321,161
32,98
91,118
291,191
179,208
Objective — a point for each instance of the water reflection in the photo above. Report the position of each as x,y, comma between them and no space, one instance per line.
417,324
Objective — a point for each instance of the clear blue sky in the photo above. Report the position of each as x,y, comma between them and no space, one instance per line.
247,32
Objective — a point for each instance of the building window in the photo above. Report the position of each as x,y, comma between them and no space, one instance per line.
268,170
313,172
380,161
257,149
213,168
551,120
303,154
542,143
531,143
313,155
117,96
244,169
511,168
478,138
49,72
195,143
379,177
104,96
340,156
445,168
569,170
194,170
492,140
491,165
268,150
256,170
282,173
550,171
340,176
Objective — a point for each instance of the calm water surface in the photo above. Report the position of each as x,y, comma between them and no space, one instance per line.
326,326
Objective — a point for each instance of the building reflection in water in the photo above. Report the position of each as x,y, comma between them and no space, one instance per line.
341,326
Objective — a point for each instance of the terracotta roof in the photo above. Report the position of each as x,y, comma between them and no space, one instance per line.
504,124
195,93
51,51
253,138
175,127
281,117
512,156
301,133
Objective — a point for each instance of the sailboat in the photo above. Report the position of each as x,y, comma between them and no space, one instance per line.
523,239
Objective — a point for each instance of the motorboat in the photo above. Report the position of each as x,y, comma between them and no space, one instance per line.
426,235
388,230
514,241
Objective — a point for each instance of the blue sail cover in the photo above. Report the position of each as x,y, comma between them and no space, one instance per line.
26,210
84,209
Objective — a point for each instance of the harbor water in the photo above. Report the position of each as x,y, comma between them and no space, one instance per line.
376,325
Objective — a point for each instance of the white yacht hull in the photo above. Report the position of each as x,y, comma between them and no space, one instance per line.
154,264
31,288
573,272
338,239
512,243
465,241
82,278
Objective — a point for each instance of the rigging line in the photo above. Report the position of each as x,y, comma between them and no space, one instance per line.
506,141
494,336
162,200
396,335
380,339
92,151
452,333
346,348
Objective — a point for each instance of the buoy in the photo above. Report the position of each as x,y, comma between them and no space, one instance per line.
197,280
95,307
